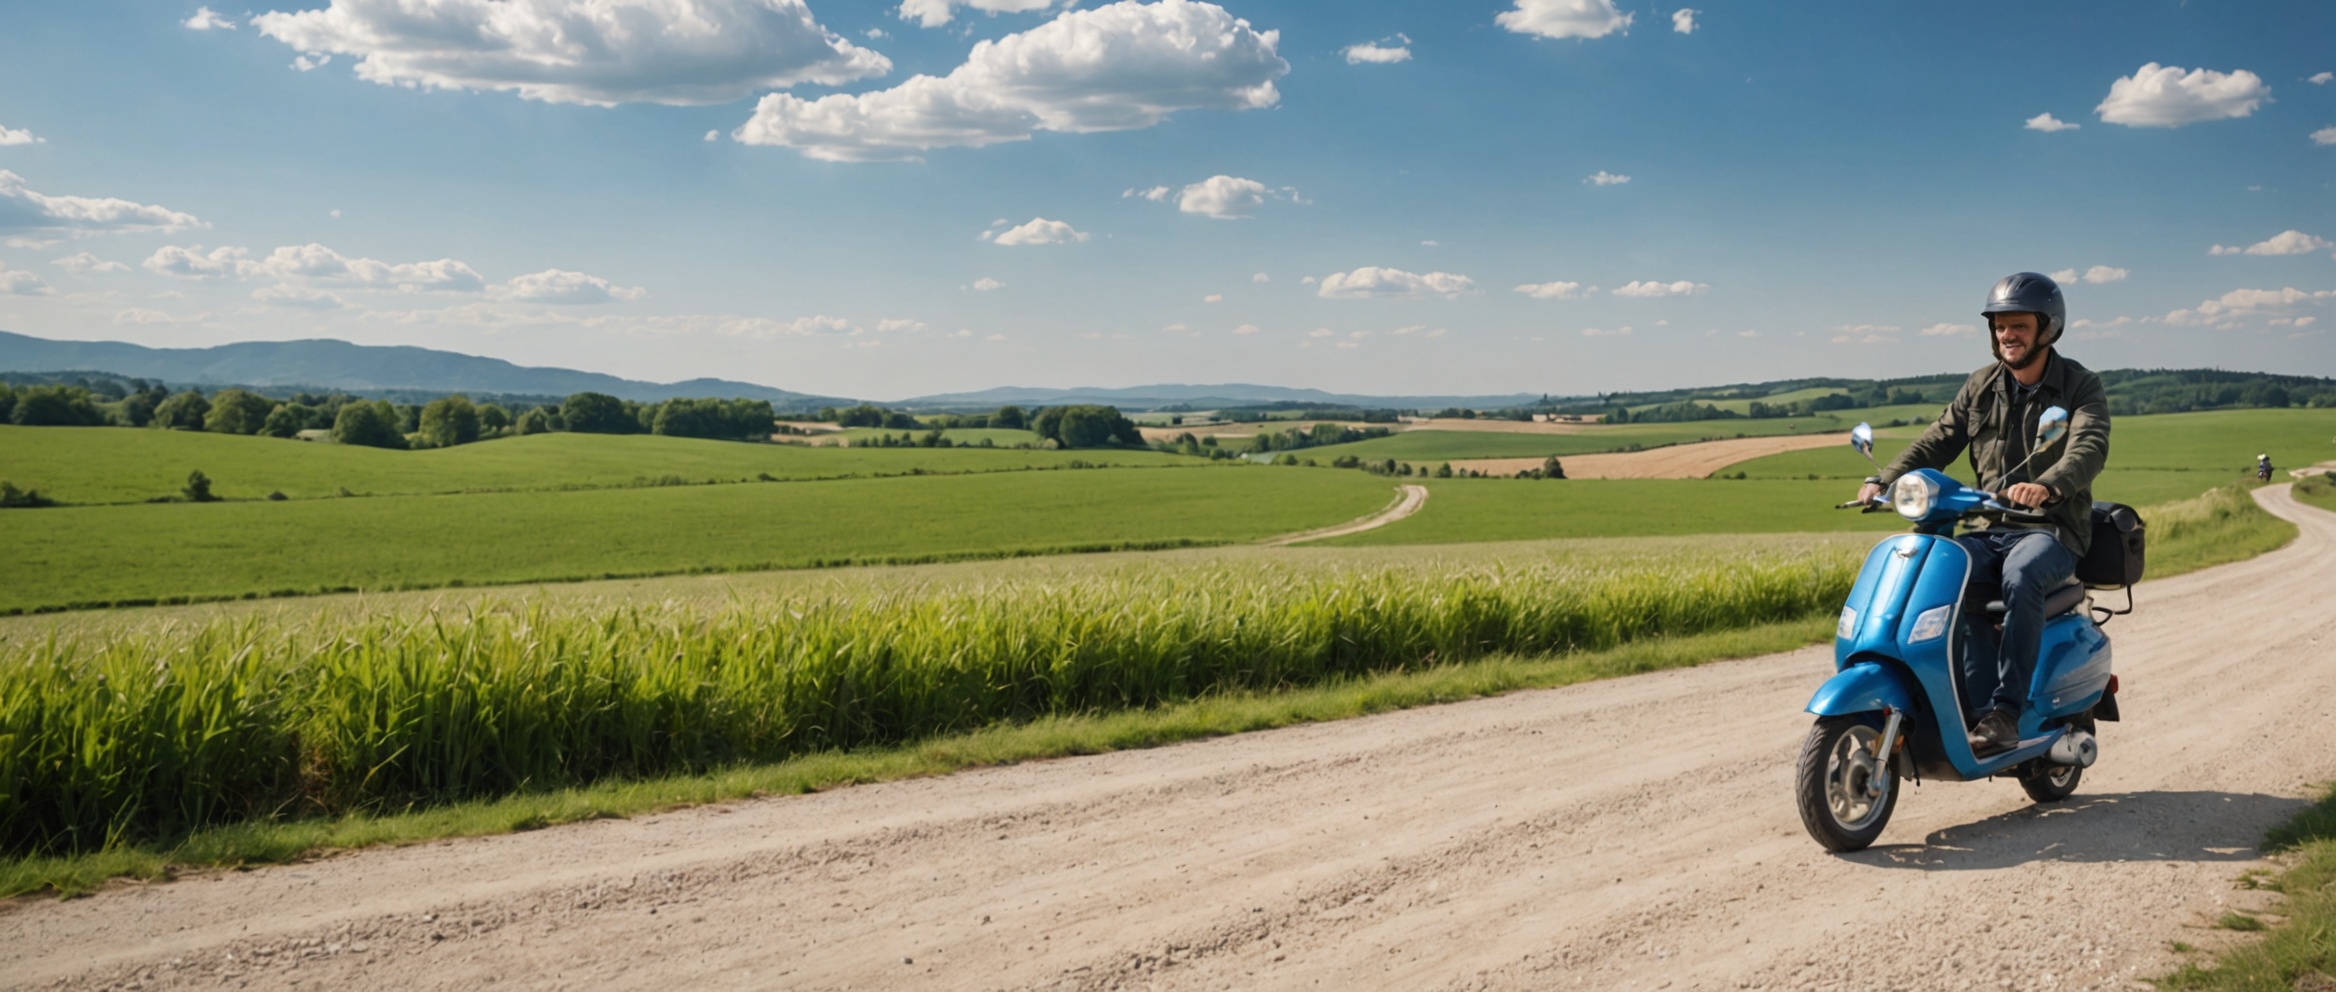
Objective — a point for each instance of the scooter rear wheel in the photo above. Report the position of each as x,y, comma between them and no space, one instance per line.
1843,801
2050,783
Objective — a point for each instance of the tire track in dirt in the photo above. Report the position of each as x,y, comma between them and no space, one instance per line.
1637,833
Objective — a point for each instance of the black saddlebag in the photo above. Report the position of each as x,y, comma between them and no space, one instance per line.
2115,557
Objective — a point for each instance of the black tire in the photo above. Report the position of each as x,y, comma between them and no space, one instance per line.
2050,783
1830,789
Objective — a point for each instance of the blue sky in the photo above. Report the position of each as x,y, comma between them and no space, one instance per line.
890,199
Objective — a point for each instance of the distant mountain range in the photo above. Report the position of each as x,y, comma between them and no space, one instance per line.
371,369
356,368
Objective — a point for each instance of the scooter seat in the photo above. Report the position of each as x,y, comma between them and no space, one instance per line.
2067,596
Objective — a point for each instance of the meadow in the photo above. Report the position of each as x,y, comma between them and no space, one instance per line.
87,465
1429,447
1515,510
150,733
93,555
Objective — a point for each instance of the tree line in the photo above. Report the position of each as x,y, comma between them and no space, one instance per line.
1075,425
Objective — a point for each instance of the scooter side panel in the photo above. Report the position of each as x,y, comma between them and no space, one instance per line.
1863,687
2072,667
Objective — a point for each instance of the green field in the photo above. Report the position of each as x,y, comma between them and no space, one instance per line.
1433,446
1516,509
83,465
2316,490
1744,405
996,436
141,553
2152,459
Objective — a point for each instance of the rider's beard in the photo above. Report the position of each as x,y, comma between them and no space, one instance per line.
2035,354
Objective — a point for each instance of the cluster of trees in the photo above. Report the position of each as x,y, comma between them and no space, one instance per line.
1085,425
2135,391
1550,468
1314,437
1688,411
600,413
1008,417
1302,411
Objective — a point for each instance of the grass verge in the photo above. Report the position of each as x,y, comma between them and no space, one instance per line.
2223,525
2299,952
1051,737
2317,490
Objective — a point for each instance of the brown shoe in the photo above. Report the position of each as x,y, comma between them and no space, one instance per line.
1997,732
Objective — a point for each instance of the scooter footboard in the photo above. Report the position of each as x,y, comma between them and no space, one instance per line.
1863,687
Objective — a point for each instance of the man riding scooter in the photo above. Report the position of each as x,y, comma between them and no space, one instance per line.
1994,416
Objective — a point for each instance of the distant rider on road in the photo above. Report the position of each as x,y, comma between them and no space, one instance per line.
1994,416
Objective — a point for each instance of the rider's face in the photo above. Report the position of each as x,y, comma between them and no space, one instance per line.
2015,336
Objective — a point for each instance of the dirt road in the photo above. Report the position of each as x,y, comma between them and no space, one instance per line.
1677,461
1632,834
1408,500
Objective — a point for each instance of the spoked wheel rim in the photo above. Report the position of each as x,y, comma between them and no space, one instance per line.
1854,794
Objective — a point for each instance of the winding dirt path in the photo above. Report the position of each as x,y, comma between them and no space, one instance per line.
1631,834
1677,461
1409,498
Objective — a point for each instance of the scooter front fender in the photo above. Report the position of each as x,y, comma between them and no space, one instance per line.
1863,687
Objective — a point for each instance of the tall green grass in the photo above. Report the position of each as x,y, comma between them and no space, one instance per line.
154,734
2222,525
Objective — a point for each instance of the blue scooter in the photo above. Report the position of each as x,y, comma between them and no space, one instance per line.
1899,703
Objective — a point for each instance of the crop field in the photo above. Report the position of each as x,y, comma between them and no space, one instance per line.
147,733
1745,405
2151,458
1515,510
84,465
144,553
1432,446
996,436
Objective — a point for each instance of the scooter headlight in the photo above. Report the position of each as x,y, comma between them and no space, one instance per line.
1848,624
1930,624
1913,495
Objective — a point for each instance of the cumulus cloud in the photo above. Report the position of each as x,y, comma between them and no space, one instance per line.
1119,67
2324,136
1374,282
890,324
985,284
1565,18
1223,197
1867,334
86,264
1260,279
24,210
206,19
562,286
2320,78
2169,96
1683,20
1154,194
285,294
1385,51
1213,298
1556,290
934,13
2047,123
1651,289
1605,178
317,262
1040,231
1950,330
2246,303
601,52
193,263
2290,242
1603,332
17,282
2096,275
1247,329
18,136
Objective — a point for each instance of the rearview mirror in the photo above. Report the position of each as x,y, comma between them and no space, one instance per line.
2051,425
1861,437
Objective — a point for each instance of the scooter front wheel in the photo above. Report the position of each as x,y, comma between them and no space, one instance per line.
1845,787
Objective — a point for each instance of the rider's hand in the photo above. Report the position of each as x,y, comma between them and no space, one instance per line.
1867,492
2027,494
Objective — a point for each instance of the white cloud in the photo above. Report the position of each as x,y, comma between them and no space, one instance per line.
2168,96
601,52
1213,298
562,286
1176,329
1950,330
18,136
967,333
2084,322
2320,78
317,262
995,337
1605,178
1385,51
1119,67
206,19
86,264
24,210
1867,334
2048,123
2245,303
1040,231
193,263
1601,332
17,282
1307,280
1374,282
934,13
1154,194
890,324
1556,290
1683,20
285,294
2289,242
1246,329
2104,274
2324,136
1565,18
141,315
1223,197
985,284
1651,289
1321,332
1260,279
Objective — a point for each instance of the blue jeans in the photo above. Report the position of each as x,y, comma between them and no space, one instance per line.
2018,567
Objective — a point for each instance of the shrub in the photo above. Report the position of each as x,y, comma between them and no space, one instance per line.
449,421
20,499
198,488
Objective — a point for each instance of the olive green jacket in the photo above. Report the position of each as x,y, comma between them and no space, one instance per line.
1976,419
